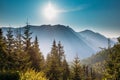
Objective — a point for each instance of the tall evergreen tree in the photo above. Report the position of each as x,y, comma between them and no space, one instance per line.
18,39
21,58
3,52
76,67
10,48
54,51
60,53
10,41
113,62
27,37
27,42
53,70
37,57
66,71
63,66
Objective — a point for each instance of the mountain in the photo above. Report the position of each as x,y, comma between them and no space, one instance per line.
95,40
84,43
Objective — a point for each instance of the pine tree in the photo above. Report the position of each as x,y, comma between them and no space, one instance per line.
56,65
76,67
53,70
54,51
47,65
10,48
27,37
18,39
21,58
27,42
37,57
113,62
10,41
66,71
62,61
3,52
60,53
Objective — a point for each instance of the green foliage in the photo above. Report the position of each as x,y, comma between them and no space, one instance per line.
113,63
99,69
21,58
3,52
98,57
56,65
10,48
31,74
9,75
13,57
27,38
36,56
53,69
21,61
76,69
106,63
10,41
19,53
65,71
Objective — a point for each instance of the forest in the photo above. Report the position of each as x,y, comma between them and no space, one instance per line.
21,59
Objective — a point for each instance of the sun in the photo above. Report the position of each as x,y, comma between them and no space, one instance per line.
50,12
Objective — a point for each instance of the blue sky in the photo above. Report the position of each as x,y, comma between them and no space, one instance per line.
98,15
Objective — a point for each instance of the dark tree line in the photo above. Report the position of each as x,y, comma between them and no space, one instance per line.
17,52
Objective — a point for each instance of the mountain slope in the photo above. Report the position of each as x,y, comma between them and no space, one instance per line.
73,42
95,40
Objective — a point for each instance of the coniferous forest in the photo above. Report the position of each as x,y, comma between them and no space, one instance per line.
21,59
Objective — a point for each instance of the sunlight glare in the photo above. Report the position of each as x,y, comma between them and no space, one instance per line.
50,12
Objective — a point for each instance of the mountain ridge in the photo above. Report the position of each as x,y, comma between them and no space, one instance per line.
74,42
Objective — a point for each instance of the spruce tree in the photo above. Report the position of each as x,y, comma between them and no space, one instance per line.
37,57
10,48
10,41
27,42
60,53
21,59
56,65
113,62
61,60
76,69
3,52
54,51
27,37
53,70
18,39
65,71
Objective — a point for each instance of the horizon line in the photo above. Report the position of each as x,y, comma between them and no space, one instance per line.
105,35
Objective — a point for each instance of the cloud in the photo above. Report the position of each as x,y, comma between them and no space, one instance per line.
71,10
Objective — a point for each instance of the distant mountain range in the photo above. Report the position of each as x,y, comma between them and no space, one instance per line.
83,44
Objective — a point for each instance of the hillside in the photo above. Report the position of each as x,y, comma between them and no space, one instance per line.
83,43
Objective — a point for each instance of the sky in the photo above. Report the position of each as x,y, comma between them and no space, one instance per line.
101,16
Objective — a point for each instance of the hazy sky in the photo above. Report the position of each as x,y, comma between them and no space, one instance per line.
102,16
